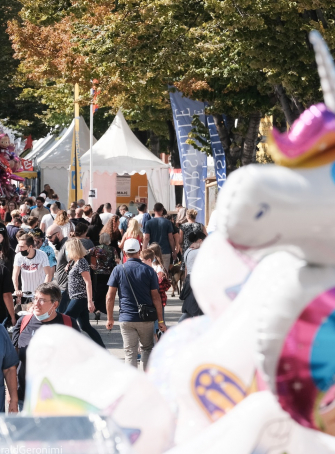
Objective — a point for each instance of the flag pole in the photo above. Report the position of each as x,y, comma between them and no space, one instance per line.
91,199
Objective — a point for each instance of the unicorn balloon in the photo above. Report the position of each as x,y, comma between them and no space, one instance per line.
276,226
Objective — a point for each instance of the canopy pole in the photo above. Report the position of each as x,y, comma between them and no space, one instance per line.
91,199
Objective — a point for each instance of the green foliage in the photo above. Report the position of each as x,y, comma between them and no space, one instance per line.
199,136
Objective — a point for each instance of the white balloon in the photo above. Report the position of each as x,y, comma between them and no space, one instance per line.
68,374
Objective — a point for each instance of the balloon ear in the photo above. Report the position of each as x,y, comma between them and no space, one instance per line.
326,68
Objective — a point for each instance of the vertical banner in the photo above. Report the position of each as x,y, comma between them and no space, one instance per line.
193,162
75,187
218,153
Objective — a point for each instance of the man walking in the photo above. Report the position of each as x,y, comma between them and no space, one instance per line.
107,213
45,313
143,217
159,230
125,216
79,217
40,209
144,283
33,265
55,236
48,219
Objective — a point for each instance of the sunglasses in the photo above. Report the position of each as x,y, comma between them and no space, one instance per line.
50,236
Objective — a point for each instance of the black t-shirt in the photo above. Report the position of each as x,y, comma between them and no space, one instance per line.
6,286
21,342
61,275
76,221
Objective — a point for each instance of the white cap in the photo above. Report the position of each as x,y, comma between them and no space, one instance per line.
131,245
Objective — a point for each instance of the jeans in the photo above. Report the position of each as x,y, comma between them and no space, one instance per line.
134,333
64,302
77,309
166,261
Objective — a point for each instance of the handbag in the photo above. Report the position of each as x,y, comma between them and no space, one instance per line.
145,312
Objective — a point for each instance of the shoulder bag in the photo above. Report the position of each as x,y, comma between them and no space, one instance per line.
146,313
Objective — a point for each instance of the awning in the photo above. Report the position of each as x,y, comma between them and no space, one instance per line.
26,174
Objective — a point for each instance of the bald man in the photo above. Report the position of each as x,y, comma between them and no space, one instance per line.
55,236
79,217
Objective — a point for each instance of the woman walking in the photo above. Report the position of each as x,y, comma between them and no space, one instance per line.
94,229
190,226
10,207
64,223
112,228
133,231
80,288
103,260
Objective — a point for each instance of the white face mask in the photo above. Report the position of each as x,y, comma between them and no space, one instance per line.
43,317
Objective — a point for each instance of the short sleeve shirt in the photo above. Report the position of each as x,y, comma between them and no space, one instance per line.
8,358
159,229
189,257
48,220
39,212
143,279
50,253
77,286
32,270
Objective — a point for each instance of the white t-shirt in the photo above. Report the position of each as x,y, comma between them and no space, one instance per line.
66,229
48,220
32,270
105,217
189,257
139,218
158,268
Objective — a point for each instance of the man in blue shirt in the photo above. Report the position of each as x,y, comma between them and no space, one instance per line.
125,216
160,230
9,360
143,280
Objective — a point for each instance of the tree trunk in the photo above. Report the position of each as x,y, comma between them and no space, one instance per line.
298,104
225,139
285,104
250,142
154,144
173,146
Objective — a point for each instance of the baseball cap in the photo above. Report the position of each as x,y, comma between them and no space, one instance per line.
37,233
131,245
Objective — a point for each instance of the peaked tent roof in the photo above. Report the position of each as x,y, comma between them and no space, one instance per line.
119,151
59,155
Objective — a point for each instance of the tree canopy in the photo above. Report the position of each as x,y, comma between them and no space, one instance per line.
245,58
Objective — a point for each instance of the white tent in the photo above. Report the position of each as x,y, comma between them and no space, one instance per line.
55,161
120,152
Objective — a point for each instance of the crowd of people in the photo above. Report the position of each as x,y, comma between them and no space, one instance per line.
58,266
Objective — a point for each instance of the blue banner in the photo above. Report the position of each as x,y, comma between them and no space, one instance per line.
218,153
193,162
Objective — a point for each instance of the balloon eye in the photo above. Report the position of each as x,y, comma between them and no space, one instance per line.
264,208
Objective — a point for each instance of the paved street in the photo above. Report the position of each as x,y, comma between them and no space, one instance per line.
113,339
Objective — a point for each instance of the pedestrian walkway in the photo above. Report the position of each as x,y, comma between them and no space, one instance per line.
113,340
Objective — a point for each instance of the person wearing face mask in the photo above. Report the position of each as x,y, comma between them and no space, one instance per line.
45,303
33,266
55,236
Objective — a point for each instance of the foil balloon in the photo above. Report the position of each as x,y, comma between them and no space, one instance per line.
88,380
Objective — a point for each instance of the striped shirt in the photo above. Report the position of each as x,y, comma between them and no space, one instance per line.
32,270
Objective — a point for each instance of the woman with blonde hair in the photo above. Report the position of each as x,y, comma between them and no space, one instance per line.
80,288
133,231
64,223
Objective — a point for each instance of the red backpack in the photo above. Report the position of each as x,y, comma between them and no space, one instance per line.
26,319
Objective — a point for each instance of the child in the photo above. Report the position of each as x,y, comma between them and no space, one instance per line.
163,281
